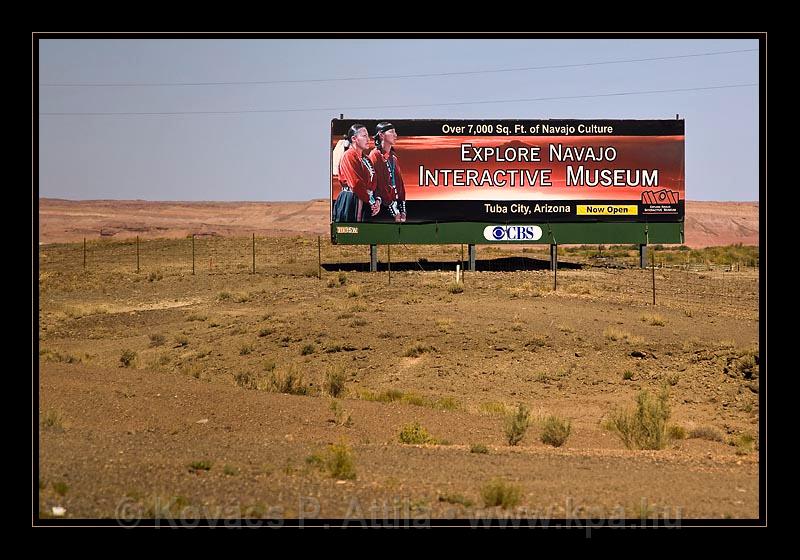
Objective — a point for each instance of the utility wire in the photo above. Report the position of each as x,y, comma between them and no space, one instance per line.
342,109
392,77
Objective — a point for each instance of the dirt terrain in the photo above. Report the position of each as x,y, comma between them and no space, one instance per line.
157,389
63,221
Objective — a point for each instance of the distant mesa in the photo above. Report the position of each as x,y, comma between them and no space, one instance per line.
707,223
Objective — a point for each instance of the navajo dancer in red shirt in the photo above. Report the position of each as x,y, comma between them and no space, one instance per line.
357,176
388,179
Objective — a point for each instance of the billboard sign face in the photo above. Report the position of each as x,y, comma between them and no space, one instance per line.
509,173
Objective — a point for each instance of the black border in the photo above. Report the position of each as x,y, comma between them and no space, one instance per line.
761,521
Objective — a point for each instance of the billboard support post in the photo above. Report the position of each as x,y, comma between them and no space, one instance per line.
643,255
373,258
471,251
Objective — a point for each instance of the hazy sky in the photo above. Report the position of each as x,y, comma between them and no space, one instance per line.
284,155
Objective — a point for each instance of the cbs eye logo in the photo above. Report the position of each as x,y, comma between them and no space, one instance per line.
512,233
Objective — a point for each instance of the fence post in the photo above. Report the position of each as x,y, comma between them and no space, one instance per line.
653,268
254,253
84,253
723,284
192,254
137,254
554,257
319,256
389,261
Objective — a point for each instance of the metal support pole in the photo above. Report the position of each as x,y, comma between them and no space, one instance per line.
642,255
471,253
389,260
137,254
84,253
192,254
319,256
373,258
254,253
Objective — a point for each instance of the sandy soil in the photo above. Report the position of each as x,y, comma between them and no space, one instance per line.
116,440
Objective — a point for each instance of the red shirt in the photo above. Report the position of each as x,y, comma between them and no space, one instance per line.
383,181
355,174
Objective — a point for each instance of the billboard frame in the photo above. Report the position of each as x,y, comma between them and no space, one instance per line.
472,232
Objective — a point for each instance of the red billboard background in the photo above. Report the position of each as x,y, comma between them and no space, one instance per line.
657,151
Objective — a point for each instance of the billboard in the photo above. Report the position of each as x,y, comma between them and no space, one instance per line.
519,173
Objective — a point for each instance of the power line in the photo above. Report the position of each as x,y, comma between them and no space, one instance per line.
340,109
392,77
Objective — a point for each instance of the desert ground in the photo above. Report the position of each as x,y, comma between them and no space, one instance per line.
168,394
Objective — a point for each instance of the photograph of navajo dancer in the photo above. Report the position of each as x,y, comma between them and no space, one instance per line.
388,178
356,202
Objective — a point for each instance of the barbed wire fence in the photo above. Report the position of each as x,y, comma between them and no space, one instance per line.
612,274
